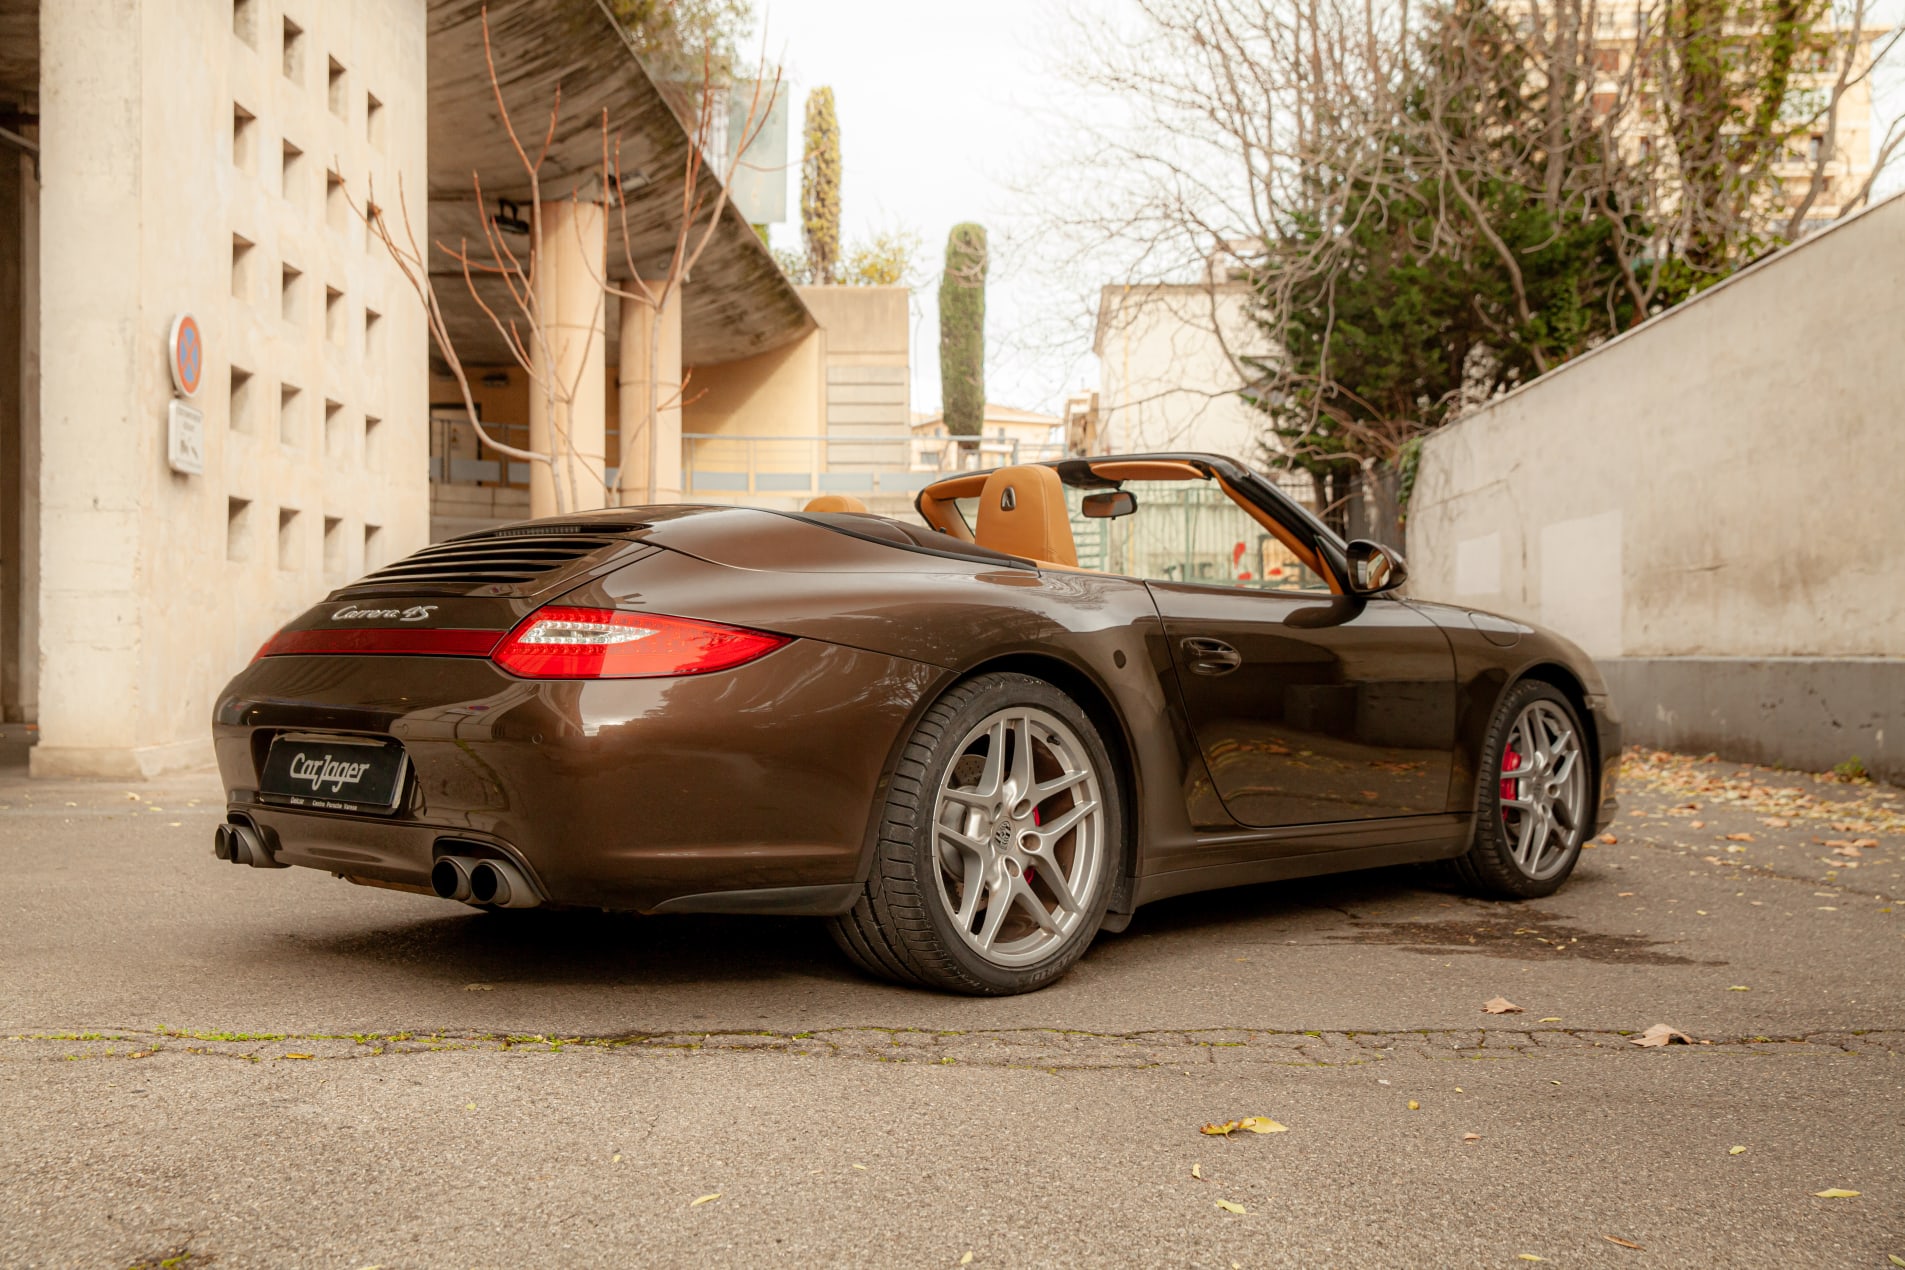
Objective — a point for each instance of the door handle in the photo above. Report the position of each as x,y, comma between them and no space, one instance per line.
1210,657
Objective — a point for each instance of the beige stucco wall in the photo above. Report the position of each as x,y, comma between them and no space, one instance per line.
148,602
1166,375
1724,481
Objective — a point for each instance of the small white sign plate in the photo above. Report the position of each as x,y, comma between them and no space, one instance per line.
185,437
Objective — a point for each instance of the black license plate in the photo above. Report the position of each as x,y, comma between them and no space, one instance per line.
340,773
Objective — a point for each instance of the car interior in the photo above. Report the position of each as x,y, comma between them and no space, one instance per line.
1030,512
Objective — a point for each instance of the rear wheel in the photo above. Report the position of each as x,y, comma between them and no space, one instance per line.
999,844
1533,799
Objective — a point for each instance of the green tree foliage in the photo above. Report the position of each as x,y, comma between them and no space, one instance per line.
685,40
1459,270
962,331
820,187
1504,230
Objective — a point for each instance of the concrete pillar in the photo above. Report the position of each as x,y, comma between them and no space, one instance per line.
97,436
569,291
634,377
12,368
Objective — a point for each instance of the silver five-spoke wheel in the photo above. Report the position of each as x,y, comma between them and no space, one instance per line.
1020,828
1544,789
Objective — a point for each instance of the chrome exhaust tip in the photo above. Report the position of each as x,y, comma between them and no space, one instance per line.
500,884
450,877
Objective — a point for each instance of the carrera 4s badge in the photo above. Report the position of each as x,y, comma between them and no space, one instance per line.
415,613
326,772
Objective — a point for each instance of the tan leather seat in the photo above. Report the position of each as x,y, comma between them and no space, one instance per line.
1022,513
834,503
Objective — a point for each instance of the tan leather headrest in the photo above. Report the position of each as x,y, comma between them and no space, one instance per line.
1022,513
834,503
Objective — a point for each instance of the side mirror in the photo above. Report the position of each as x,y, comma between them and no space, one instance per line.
1109,506
1374,568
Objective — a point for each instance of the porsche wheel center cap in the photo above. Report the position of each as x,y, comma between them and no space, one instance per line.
1002,835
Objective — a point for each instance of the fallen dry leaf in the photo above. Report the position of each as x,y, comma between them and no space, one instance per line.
1414,1105
296,1056
1610,839
1500,1005
1249,1124
1699,824
1625,894
1197,1171
1528,1256
1229,1207
1895,1259
1625,1243
704,1199
966,1260
1736,1150
1740,837
1833,1192
1739,987
1661,1034
1471,1137
1552,1018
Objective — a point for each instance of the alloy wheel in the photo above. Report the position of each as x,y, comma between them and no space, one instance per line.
1019,828
1544,789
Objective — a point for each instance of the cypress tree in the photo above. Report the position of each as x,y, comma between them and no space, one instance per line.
820,187
962,331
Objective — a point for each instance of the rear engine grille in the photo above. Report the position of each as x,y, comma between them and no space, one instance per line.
499,557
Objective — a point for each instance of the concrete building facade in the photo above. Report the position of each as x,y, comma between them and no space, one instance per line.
1169,369
196,159
1710,506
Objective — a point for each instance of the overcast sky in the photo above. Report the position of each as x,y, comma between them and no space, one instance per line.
944,114
932,101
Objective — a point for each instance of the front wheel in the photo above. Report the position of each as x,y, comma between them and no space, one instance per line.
999,846
1533,797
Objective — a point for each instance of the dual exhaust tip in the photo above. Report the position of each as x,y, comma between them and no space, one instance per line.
239,842
495,883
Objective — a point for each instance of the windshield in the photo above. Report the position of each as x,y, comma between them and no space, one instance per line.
1182,531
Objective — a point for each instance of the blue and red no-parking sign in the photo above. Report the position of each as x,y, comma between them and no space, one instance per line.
187,347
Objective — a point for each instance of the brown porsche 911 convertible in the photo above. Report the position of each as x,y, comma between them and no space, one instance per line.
969,745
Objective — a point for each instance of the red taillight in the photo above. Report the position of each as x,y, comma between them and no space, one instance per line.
569,643
383,639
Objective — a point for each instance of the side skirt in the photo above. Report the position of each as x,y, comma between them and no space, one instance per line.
1424,839
830,900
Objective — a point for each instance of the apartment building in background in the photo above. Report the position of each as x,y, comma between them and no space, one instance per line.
1839,145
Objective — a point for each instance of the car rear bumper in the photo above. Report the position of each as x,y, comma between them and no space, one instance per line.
757,783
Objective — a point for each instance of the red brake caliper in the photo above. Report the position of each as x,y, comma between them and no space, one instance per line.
1511,762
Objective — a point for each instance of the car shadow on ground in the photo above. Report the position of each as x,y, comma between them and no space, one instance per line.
553,947
544,947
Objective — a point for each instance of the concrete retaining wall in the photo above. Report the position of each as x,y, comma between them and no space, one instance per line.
1713,505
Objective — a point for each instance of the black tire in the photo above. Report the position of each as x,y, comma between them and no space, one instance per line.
1490,869
901,928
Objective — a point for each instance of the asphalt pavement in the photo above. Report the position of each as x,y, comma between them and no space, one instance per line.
209,1065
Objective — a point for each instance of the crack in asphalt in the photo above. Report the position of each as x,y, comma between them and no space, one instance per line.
1048,1049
